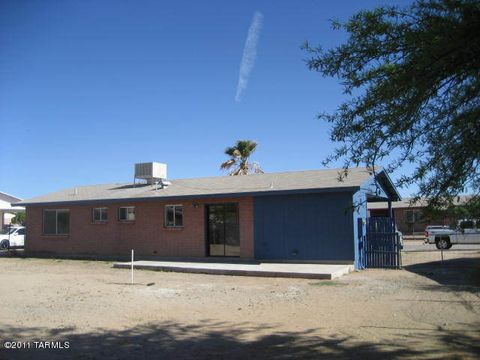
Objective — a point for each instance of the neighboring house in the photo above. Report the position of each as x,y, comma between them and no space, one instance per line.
7,211
296,216
411,218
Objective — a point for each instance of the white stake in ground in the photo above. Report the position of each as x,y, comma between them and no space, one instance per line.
132,266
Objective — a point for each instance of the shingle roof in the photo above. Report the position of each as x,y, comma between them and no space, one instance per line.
210,186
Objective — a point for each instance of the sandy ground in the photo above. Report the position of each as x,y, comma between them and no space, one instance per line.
428,310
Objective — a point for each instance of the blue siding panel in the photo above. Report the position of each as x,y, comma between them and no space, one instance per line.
304,227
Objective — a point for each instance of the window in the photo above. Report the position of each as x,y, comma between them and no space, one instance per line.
100,214
413,216
126,213
21,232
173,216
56,222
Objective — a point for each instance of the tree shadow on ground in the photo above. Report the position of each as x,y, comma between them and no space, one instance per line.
453,274
221,340
13,252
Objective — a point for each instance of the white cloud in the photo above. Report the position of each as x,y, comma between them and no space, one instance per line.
249,54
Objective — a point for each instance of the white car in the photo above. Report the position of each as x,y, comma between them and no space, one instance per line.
431,228
467,232
12,237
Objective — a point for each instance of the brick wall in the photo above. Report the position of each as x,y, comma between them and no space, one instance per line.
147,234
418,227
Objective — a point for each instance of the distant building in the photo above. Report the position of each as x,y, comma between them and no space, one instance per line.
410,218
7,211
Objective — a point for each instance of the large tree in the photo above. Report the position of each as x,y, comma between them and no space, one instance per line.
239,162
412,80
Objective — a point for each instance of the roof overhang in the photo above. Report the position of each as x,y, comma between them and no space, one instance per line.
195,197
387,184
381,188
12,209
9,198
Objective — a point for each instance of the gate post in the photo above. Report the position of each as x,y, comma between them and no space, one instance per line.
360,261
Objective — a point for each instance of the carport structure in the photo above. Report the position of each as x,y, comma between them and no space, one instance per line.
7,211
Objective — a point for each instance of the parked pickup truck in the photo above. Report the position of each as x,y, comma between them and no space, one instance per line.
467,232
12,237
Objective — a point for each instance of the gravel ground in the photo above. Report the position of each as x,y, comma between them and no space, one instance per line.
428,310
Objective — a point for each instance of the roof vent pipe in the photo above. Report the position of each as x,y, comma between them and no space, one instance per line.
162,184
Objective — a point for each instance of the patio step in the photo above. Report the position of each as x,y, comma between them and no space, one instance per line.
284,270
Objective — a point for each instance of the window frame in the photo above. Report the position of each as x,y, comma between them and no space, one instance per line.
127,220
101,220
56,222
174,207
416,216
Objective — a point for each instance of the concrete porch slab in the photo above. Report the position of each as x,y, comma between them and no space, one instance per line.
286,270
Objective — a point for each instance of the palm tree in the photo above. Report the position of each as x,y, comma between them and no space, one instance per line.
19,219
238,163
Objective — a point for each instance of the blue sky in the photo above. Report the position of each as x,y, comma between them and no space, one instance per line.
88,88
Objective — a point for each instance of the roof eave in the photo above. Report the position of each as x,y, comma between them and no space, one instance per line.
386,182
193,197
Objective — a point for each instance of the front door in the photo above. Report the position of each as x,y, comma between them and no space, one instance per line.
222,230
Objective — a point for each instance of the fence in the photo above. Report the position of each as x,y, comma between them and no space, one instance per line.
380,246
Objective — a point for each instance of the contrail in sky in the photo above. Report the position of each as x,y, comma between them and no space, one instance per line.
249,54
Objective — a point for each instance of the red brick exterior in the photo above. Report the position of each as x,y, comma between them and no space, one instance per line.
418,227
146,235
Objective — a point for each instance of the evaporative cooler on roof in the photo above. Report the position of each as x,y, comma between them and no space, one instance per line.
152,172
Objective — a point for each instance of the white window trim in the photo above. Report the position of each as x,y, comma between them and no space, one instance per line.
127,207
56,221
99,208
165,217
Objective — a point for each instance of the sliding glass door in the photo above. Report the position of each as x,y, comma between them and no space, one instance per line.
222,230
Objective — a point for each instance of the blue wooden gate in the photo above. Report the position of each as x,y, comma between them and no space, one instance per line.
380,245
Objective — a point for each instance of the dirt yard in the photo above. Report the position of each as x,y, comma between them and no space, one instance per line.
428,310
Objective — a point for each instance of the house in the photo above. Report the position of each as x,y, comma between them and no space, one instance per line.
411,217
294,216
7,211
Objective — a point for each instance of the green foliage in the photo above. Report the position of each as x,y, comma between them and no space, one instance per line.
457,210
471,210
20,218
412,77
240,153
